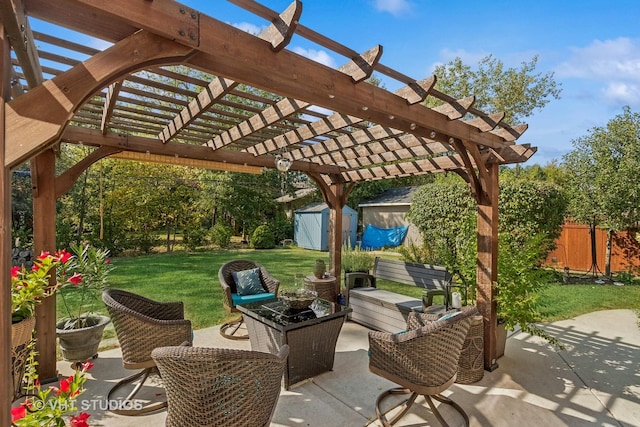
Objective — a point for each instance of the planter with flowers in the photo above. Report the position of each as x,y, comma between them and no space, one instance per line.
50,407
28,288
80,331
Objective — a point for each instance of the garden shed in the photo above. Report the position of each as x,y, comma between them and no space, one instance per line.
389,210
311,226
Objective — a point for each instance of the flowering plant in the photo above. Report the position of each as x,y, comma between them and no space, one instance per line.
88,270
30,287
48,407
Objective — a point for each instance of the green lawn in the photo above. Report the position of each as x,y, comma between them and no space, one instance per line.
192,277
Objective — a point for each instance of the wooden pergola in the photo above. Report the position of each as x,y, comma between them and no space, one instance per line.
180,87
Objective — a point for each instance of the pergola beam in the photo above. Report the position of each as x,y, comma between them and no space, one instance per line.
81,135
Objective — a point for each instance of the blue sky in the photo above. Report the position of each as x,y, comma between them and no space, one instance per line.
592,47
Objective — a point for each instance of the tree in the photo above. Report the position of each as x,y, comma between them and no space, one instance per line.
603,168
516,92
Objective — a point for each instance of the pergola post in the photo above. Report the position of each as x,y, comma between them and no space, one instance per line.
44,239
335,234
6,386
487,273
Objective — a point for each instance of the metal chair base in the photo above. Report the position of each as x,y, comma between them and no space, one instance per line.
409,401
235,330
128,401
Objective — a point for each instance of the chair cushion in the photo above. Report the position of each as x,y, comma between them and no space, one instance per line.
248,282
245,299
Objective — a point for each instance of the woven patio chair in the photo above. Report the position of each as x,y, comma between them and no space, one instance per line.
231,298
141,325
423,361
220,387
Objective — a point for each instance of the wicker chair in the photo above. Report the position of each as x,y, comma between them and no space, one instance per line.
142,325
422,361
220,387
230,294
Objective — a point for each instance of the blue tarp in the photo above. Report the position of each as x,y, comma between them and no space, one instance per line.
376,237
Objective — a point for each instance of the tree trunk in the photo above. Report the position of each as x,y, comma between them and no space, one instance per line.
607,258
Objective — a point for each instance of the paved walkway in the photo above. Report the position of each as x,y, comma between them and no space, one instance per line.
595,381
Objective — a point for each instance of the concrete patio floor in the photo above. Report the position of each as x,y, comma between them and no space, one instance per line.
595,380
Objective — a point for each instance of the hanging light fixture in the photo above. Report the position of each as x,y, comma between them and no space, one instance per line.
283,162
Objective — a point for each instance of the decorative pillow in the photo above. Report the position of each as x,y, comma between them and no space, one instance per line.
248,282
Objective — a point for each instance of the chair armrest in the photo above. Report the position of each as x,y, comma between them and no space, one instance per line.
271,283
350,279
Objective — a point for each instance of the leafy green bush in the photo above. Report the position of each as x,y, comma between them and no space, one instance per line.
263,238
356,259
144,241
221,235
193,237
282,228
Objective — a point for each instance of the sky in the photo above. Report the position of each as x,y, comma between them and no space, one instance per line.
591,47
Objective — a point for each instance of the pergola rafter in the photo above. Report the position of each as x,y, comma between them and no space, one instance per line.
175,85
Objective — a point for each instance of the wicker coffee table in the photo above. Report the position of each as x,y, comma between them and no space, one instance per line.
311,334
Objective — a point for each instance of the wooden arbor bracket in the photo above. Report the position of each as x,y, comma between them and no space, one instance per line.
37,118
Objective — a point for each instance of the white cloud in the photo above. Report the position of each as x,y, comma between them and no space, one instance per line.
622,93
394,7
320,56
608,59
248,27
469,58
614,63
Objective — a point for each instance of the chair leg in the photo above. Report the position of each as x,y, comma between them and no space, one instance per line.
406,403
443,399
233,331
128,401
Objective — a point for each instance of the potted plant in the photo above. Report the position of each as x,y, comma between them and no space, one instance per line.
355,259
80,331
49,407
28,288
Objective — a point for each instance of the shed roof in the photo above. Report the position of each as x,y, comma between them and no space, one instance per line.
319,207
399,196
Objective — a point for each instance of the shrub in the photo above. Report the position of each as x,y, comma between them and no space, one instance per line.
193,237
221,235
356,259
263,238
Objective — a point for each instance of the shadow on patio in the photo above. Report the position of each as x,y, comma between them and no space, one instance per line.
595,379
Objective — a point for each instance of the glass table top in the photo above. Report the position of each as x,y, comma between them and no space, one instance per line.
277,312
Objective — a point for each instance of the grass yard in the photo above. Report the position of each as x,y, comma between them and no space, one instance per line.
192,277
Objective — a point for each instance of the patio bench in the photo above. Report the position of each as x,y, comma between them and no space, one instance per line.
388,311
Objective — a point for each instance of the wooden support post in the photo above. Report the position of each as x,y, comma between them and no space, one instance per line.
488,265
44,239
6,385
335,235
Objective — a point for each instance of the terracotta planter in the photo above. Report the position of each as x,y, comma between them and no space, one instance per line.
21,334
81,344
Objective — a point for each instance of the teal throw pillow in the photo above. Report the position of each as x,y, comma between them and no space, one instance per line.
248,282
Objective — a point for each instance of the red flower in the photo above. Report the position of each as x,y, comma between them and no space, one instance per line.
76,279
87,365
44,255
80,420
63,256
14,271
107,261
65,385
18,412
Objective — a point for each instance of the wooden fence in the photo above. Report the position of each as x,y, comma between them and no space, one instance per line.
574,250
